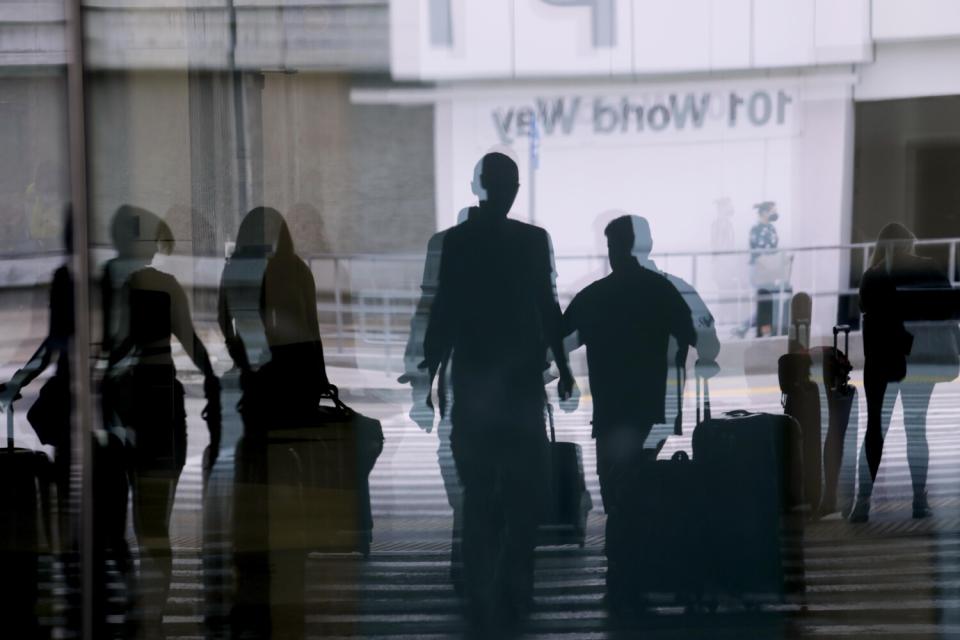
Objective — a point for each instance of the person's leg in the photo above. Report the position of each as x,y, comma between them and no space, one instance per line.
916,400
481,524
153,495
524,490
454,490
764,313
619,452
880,403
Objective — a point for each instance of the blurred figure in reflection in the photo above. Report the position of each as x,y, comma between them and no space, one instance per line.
707,342
496,313
238,309
240,321
421,412
50,414
268,313
910,342
25,510
627,321
143,311
764,264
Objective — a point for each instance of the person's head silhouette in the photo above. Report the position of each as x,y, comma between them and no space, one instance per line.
259,233
620,242
500,179
139,234
893,242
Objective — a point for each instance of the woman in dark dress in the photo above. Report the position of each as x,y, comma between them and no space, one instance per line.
909,344
143,309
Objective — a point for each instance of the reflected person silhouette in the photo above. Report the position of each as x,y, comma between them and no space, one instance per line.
25,473
496,314
626,321
277,347
421,412
50,413
910,343
145,396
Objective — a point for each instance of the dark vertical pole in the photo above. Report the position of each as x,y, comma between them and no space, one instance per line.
82,419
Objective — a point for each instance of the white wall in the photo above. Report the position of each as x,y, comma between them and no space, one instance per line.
549,38
915,19
672,177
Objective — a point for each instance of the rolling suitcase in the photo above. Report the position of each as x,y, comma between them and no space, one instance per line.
308,483
655,536
839,450
751,464
25,477
568,502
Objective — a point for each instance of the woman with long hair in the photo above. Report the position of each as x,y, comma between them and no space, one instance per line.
908,347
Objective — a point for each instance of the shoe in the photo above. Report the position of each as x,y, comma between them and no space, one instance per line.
860,512
921,508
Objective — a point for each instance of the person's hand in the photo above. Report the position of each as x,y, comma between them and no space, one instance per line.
8,393
572,402
566,386
210,455
422,413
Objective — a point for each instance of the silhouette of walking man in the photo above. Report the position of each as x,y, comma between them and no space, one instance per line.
496,311
626,321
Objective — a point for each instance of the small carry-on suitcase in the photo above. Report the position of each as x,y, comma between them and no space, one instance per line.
752,464
569,502
24,523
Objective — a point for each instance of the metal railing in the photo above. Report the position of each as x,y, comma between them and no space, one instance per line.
367,300
374,296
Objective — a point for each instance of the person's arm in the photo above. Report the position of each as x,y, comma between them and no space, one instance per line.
438,337
182,327
309,302
233,341
570,325
681,326
553,318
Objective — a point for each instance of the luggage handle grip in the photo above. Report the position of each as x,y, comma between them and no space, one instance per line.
681,379
553,433
845,328
332,393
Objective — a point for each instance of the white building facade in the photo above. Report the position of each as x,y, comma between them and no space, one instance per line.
682,112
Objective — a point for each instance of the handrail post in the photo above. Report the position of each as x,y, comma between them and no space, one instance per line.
338,303
387,332
952,262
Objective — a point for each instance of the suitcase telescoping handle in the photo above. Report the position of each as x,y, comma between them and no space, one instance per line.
701,418
10,426
845,328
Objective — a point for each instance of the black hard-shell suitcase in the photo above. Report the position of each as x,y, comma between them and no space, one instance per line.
307,484
655,542
752,464
25,477
569,502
